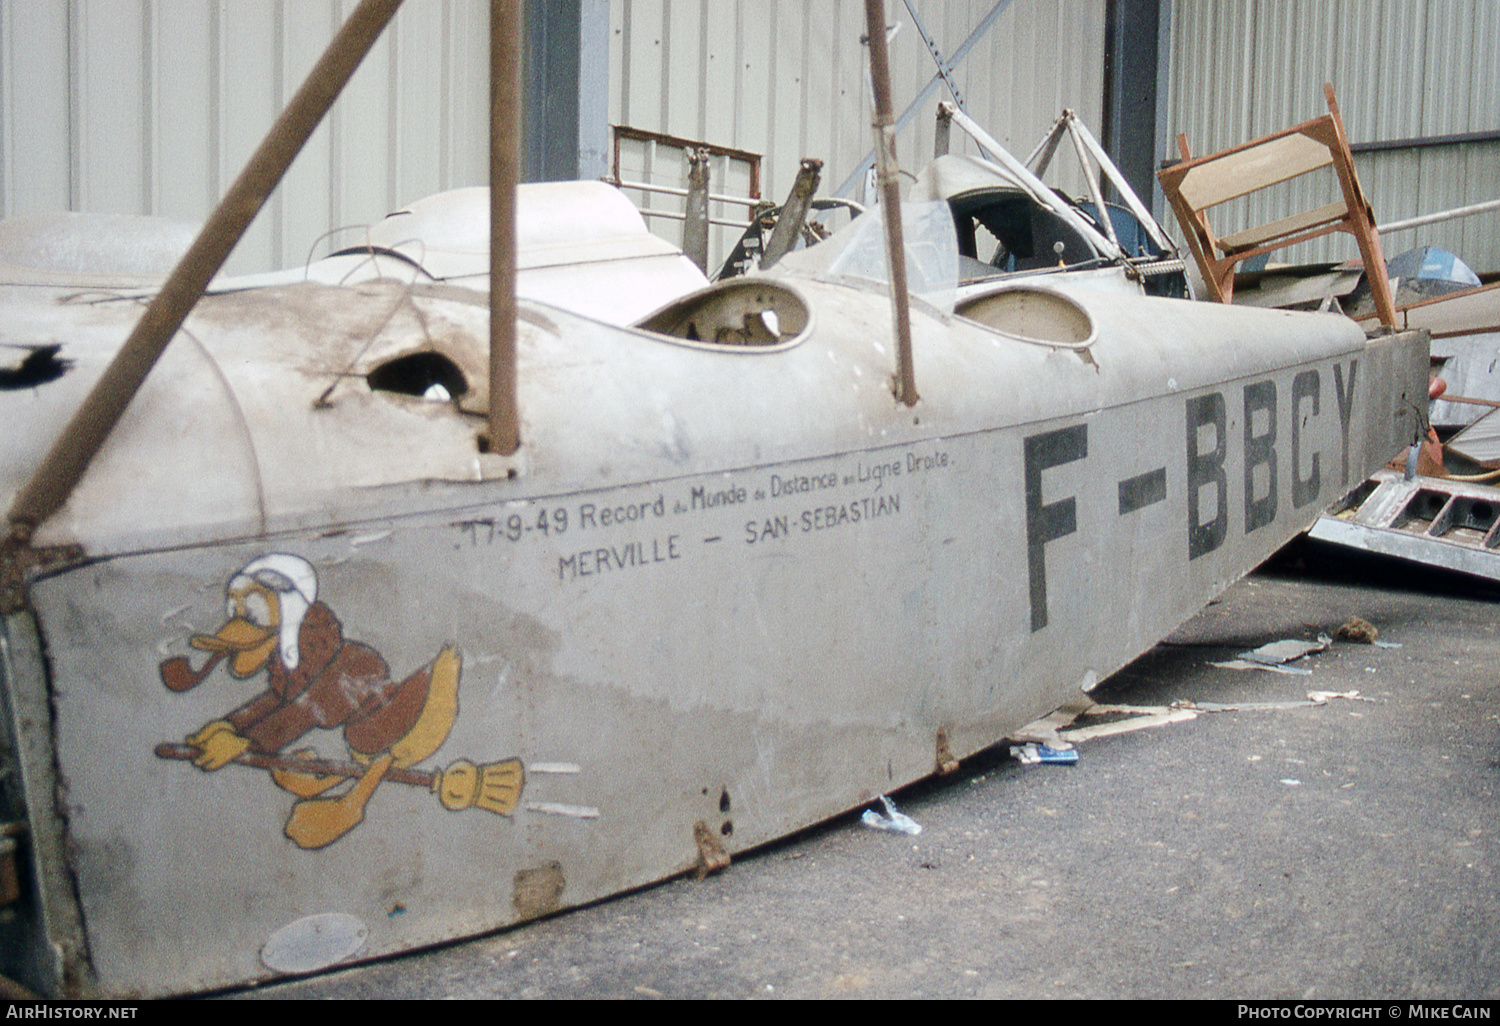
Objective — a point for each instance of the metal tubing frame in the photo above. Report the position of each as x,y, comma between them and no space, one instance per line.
793,213
1443,215
1091,180
1041,157
57,475
1117,179
1039,191
922,97
672,190
1079,133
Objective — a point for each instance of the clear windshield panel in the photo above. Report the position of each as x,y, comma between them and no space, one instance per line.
858,251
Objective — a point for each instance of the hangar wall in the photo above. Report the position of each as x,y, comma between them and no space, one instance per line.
1409,77
152,106
787,78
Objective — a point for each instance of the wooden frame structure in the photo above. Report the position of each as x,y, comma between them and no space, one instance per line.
1200,183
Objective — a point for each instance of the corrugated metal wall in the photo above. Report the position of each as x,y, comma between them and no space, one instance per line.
786,78
1401,70
153,106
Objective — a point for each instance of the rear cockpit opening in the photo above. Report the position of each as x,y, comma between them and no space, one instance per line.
425,375
1032,315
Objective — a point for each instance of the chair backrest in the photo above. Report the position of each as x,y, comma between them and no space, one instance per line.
1198,184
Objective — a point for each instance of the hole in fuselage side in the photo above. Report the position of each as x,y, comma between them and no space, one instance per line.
38,367
421,375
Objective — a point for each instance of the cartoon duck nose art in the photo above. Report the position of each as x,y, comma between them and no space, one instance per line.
319,680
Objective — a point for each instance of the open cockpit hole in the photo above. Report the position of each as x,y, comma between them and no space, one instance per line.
727,829
38,366
734,314
724,800
426,375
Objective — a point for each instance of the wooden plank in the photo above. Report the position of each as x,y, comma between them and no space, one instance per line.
1228,176
1283,228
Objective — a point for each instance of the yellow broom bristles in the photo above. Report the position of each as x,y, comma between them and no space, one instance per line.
495,788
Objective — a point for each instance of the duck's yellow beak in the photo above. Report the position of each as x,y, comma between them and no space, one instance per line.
250,644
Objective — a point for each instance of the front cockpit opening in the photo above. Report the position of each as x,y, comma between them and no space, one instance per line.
739,313
1003,231
1032,315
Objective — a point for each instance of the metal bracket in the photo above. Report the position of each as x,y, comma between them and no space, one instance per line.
19,561
946,763
711,854
10,875
944,68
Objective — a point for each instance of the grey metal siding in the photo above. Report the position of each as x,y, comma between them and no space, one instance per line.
1401,70
786,78
153,106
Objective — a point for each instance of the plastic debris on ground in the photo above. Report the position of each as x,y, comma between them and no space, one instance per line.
1034,754
894,821
1276,655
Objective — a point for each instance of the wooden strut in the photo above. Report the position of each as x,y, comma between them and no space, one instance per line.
890,199
505,120
71,454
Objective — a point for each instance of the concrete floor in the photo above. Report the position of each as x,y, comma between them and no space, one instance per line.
1348,850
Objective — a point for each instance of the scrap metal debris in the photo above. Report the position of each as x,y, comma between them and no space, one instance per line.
1045,730
1138,717
1276,655
1123,719
1313,698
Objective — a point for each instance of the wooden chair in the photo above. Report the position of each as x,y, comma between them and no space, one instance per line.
1199,183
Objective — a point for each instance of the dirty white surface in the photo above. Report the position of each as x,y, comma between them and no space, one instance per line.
738,588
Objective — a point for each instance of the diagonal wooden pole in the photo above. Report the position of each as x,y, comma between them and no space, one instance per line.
65,464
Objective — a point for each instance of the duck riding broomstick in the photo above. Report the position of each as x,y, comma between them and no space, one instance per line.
317,679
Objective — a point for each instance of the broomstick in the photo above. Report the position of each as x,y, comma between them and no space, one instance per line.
495,787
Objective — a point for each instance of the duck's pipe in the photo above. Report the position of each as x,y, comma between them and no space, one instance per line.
178,674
